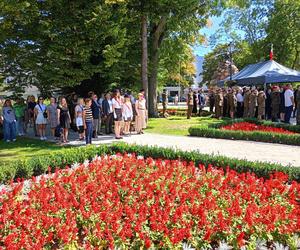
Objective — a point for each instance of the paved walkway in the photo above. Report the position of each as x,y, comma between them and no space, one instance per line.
253,151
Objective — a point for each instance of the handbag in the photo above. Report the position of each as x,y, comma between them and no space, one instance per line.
45,114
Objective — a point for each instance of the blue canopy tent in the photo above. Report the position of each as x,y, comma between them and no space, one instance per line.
264,73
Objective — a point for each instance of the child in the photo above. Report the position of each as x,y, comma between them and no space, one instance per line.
9,121
127,114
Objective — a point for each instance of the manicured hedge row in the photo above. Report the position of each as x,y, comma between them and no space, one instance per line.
39,165
239,135
213,131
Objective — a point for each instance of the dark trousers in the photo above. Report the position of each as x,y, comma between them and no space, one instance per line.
89,132
109,123
287,114
239,109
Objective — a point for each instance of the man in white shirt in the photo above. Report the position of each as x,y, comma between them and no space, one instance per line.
240,103
288,103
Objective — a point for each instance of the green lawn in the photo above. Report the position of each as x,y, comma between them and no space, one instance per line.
24,148
176,125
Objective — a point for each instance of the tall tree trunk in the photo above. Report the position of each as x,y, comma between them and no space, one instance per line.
145,56
296,59
156,39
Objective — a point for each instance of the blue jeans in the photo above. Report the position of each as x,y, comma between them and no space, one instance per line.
20,125
287,114
9,130
89,132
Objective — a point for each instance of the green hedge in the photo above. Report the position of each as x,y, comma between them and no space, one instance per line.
39,165
213,131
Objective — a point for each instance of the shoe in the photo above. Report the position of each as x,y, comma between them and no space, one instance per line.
45,138
41,138
14,140
7,140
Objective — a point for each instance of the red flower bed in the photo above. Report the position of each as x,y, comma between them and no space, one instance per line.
250,127
129,202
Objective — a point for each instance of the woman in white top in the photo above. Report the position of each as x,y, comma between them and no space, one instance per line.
40,116
117,109
127,114
79,118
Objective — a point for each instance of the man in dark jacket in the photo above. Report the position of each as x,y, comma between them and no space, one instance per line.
96,116
107,111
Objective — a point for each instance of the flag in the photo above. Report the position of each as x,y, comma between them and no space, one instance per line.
271,52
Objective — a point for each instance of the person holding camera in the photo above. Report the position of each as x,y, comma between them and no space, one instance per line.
40,117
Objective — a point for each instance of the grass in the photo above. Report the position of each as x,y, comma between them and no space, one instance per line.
177,125
25,148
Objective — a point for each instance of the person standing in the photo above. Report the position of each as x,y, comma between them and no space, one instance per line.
268,111
41,115
246,102
117,109
140,106
232,102
195,102
275,103
240,103
9,121
190,104
288,103
127,114
96,116
176,99
107,113
296,93
79,118
20,108
201,101
219,104
31,104
164,96
261,102
282,104
225,103
211,98
298,106
64,118
253,103
52,115
88,120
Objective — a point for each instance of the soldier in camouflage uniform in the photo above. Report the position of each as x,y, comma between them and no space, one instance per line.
275,103
219,104
246,102
232,102
261,102
253,103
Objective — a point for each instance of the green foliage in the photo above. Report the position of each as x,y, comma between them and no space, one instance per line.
213,131
39,165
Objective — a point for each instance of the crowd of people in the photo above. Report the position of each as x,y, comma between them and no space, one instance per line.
277,103
117,113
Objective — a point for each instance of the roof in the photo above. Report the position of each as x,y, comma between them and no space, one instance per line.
264,72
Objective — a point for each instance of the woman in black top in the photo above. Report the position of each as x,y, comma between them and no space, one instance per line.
64,119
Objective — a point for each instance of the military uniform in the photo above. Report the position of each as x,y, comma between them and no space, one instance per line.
190,103
252,104
246,103
261,102
164,103
219,104
275,105
231,104
298,107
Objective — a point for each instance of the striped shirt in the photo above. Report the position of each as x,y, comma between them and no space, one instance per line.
88,114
